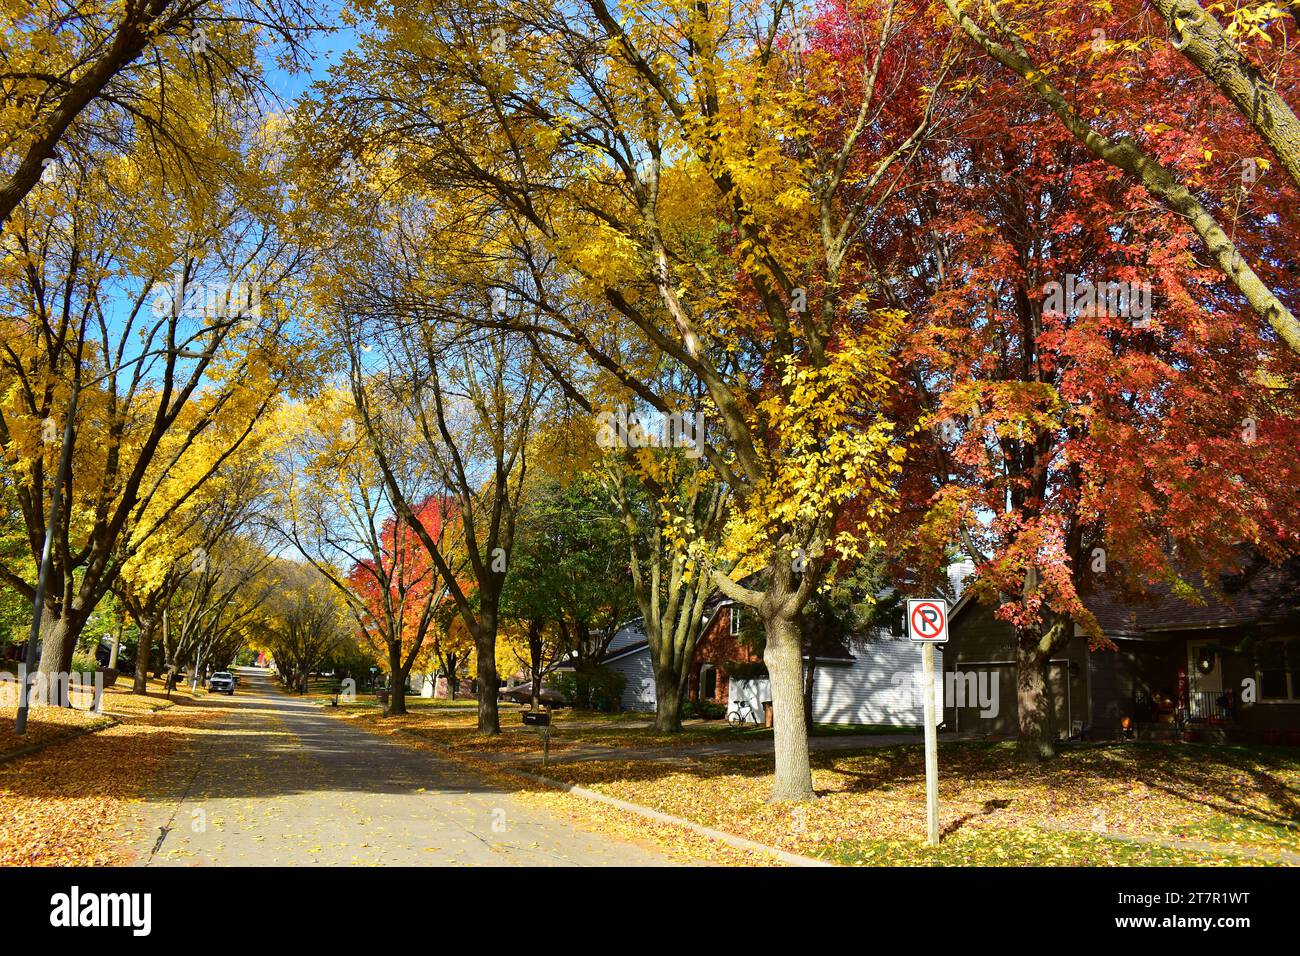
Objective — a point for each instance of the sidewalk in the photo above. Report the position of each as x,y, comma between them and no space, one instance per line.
713,748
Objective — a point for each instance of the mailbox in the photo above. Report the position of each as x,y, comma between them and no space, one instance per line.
537,718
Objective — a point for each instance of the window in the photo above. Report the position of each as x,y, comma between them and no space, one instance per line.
1278,663
735,620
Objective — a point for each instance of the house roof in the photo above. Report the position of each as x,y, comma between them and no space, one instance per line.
1255,593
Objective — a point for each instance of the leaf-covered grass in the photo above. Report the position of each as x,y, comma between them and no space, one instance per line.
993,810
1028,846
61,806
45,724
454,726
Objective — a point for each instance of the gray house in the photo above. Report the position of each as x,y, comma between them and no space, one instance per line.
1227,666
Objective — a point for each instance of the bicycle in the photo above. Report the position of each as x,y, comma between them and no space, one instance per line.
741,712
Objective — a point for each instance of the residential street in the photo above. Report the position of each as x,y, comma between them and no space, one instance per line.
274,781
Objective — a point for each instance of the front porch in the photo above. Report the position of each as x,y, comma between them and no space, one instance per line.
1223,690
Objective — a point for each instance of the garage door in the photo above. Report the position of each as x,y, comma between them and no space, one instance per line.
971,719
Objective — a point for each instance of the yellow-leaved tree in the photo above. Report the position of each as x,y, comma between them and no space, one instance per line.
697,173
161,303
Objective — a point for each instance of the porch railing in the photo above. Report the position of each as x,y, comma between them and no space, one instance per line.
1211,706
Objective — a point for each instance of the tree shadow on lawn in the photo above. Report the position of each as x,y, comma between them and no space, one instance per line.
1255,785
1258,785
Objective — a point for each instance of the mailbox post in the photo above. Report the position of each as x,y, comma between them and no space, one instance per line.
541,718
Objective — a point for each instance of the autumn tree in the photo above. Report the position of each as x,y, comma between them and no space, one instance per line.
148,304
1128,61
678,163
1128,433
305,622
231,502
78,78
219,605
337,510
451,648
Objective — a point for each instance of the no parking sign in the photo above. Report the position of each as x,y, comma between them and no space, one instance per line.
927,620
927,625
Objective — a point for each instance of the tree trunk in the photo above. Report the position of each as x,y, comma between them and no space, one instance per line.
809,677
582,687
397,682
143,653
452,664
117,639
58,640
1036,726
783,656
485,647
535,661
668,703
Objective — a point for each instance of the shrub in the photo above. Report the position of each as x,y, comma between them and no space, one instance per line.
703,709
607,689
600,688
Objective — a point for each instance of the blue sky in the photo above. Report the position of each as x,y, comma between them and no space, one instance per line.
327,48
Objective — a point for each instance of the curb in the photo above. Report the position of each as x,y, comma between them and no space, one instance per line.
66,738
739,843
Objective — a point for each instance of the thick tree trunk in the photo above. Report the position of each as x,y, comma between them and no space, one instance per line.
668,703
143,653
1037,734
485,647
783,656
397,682
58,640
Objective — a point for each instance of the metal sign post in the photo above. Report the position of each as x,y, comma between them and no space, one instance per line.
927,625
931,748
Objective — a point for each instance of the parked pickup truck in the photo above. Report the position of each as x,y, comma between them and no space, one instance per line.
222,682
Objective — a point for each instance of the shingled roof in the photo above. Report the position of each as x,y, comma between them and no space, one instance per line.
1258,593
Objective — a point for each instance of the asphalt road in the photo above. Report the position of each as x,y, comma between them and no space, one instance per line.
276,781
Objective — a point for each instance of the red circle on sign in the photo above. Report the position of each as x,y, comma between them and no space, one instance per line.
924,624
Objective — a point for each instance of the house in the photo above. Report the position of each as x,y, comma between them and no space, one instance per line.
872,681
1228,667
629,654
